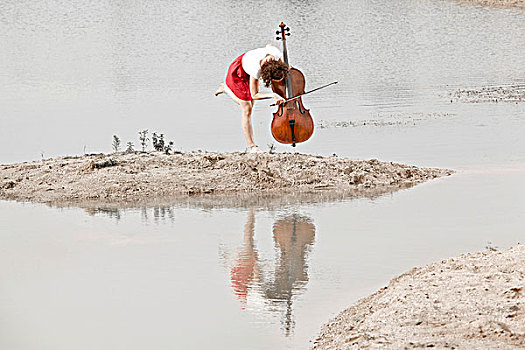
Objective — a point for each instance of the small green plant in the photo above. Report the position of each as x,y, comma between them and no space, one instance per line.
130,147
158,142
271,147
116,143
169,147
143,137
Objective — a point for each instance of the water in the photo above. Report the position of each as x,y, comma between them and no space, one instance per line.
74,74
231,277
247,273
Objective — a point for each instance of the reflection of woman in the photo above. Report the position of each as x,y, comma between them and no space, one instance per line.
242,83
293,236
243,271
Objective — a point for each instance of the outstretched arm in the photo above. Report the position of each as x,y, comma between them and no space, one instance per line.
256,95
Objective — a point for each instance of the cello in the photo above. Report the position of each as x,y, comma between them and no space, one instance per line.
292,123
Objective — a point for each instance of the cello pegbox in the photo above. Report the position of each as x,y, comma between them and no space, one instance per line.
281,34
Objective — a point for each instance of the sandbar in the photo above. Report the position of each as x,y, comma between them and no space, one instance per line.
473,301
140,176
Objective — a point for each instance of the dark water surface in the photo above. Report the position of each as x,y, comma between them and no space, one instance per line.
247,274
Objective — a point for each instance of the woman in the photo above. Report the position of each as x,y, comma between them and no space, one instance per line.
242,83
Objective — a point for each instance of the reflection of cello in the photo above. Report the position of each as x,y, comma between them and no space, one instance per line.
293,237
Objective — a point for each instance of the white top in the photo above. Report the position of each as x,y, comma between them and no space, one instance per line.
251,61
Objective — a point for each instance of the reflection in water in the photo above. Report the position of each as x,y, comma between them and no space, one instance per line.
159,213
163,208
110,212
243,271
293,237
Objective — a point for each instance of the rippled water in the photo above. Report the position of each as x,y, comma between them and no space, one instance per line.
75,73
249,272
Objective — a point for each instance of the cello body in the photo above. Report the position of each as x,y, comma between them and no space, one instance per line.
292,123
292,112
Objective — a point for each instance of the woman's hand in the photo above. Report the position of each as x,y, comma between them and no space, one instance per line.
278,99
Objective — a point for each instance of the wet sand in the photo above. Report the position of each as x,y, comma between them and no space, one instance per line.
498,3
142,176
474,301
386,120
503,94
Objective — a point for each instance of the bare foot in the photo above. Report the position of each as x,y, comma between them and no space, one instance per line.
255,149
220,90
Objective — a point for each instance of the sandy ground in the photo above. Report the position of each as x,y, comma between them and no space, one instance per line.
474,301
503,94
498,3
141,176
386,120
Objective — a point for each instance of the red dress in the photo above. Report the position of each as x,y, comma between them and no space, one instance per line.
238,81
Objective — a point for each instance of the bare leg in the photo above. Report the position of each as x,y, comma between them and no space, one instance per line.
226,89
246,121
246,117
220,90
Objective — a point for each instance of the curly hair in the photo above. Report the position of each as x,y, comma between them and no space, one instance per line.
273,70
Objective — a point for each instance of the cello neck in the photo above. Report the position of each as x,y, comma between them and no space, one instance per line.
289,92
283,34
285,53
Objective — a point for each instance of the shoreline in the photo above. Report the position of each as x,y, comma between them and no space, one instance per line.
151,176
472,301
